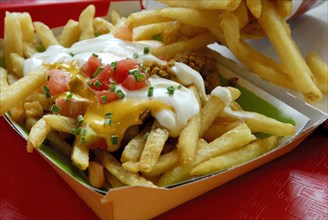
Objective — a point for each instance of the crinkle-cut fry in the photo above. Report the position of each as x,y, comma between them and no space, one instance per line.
61,123
70,34
86,22
234,158
102,26
164,163
80,155
204,4
145,17
13,38
38,133
29,49
21,89
153,148
177,174
278,33
46,36
243,51
261,123
192,17
229,141
115,168
18,63
196,43
133,150
209,112
255,7
320,70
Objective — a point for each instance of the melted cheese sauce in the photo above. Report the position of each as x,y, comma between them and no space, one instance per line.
171,111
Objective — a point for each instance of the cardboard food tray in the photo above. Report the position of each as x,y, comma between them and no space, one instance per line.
139,202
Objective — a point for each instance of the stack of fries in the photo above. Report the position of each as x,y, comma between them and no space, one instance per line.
211,141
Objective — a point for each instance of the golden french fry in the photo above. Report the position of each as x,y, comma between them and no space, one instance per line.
233,158
38,133
254,7
204,4
18,113
178,173
86,22
219,128
33,109
196,43
191,31
102,26
164,162
241,12
3,79
21,89
18,63
29,49
70,34
278,32
80,155
320,70
144,17
115,168
146,32
96,174
61,123
133,150
114,17
153,148
59,143
46,36
13,38
131,166
284,8
231,140
113,181
27,28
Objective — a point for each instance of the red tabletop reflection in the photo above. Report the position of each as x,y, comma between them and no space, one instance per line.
294,186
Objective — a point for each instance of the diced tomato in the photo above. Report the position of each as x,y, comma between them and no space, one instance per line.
91,66
71,108
122,69
105,74
98,85
131,84
124,33
96,174
106,96
58,80
98,143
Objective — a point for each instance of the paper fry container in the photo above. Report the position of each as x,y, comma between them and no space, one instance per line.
138,202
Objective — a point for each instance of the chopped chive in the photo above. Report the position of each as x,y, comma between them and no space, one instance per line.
69,96
95,55
134,71
55,108
170,90
120,94
48,78
146,50
79,119
72,54
112,87
84,134
180,87
108,121
103,99
76,131
150,91
97,84
113,64
98,70
46,91
109,115
135,55
138,76
114,139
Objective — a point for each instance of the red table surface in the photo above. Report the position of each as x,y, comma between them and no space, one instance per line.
294,186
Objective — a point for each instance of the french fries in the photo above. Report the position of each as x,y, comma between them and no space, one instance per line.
219,136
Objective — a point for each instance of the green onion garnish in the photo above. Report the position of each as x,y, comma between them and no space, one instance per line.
135,55
146,50
55,108
95,55
98,70
108,121
114,139
109,115
76,131
170,90
180,87
103,99
150,91
120,94
134,71
72,54
79,119
46,91
69,96
113,64
97,83
84,134
48,78
112,87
